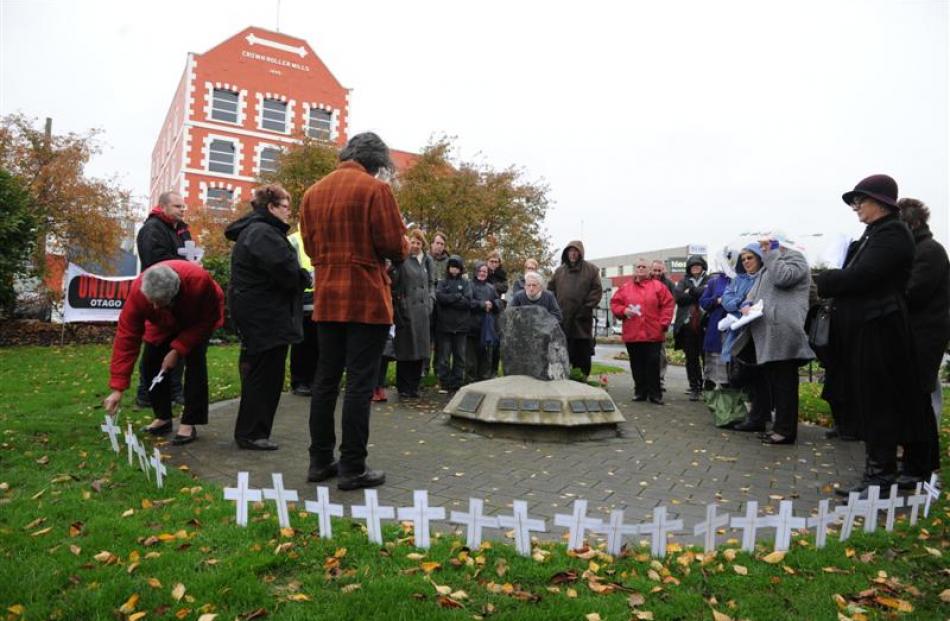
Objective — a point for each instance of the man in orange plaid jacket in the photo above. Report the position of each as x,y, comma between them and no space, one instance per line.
350,225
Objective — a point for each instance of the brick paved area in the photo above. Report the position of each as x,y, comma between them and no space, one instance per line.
668,454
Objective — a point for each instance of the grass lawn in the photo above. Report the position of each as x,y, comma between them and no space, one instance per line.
84,536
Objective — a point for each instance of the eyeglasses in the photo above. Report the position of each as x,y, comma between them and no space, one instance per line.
748,257
858,200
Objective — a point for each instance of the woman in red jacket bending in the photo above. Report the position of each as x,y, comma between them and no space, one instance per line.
646,308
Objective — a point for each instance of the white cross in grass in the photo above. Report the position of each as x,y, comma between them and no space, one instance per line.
932,488
420,513
110,428
915,501
474,521
522,525
849,513
708,528
281,497
131,440
784,522
748,525
658,529
324,510
159,467
821,522
242,495
143,459
615,530
894,503
373,513
577,524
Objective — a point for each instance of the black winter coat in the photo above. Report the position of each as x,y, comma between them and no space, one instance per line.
928,302
871,353
482,291
157,241
453,297
266,290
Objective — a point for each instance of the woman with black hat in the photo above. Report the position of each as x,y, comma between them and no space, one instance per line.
871,343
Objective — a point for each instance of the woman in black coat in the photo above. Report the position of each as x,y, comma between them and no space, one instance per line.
870,341
265,298
485,307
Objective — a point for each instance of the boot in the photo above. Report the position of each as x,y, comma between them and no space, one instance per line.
875,473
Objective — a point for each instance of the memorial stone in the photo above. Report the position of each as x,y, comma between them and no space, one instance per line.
533,344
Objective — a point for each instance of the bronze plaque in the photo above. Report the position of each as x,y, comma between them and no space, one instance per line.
508,404
530,405
578,406
593,405
607,405
470,402
551,405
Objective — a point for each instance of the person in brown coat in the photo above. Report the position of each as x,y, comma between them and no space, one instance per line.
576,285
350,225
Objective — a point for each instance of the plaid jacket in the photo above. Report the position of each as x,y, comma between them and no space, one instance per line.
350,224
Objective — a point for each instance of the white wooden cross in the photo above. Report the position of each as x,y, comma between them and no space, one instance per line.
242,495
191,252
373,513
130,441
894,502
615,530
658,530
869,507
143,459
932,490
110,428
848,514
420,513
748,525
281,497
915,501
160,469
784,523
577,523
708,528
324,510
474,522
821,521
522,525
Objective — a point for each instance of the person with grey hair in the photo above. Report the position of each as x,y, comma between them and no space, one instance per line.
161,236
533,293
173,307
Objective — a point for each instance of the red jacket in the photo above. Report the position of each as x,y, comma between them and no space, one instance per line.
350,225
656,308
194,314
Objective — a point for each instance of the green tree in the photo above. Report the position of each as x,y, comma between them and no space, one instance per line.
17,232
300,166
79,213
477,207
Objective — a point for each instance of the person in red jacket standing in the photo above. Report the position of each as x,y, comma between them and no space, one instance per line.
173,307
646,307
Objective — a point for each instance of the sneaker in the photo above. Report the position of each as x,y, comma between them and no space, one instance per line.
369,478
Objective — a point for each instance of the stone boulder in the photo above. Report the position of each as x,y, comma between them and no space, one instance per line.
533,344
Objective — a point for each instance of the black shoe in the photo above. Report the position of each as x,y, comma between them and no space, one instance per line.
144,404
159,430
657,401
369,478
695,396
640,398
260,444
832,433
908,482
318,473
179,440
179,400
748,425
302,390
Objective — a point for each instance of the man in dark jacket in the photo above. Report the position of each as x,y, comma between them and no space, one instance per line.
928,298
688,329
576,285
453,297
498,277
658,272
161,236
265,298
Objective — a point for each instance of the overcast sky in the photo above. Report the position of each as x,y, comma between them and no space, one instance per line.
655,124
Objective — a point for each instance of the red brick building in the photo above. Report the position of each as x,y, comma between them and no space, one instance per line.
235,107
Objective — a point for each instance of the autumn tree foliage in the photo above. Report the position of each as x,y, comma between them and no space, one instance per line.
76,212
301,165
477,207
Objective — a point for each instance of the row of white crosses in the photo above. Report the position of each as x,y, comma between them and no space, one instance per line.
136,450
578,523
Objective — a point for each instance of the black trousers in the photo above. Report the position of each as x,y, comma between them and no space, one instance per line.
196,383
579,352
645,368
774,386
304,355
355,348
692,344
383,370
142,394
452,359
262,380
408,376
477,360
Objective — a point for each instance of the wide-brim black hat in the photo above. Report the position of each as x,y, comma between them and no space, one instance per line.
881,188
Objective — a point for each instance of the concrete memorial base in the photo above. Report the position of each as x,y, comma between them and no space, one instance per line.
523,408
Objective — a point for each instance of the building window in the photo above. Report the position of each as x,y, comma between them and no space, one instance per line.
319,126
269,157
220,198
274,115
620,270
221,157
224,105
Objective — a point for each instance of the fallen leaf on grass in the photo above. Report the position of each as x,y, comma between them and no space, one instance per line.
775,557
208,616
501,567
833,570
593,616
643,615
720,616
178,591
75,549
76,528
430,566
16,610
572,593
636,599
564,576
415,556
129,606
137,616
154,583
934,551
298,597
351,587
447,602
106,557
741,570
287,532
34,523
42,532
892,602
459,595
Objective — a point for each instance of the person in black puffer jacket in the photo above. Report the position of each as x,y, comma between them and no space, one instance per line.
453,297
265,297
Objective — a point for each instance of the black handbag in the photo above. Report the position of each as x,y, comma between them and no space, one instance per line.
819,330
741,369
